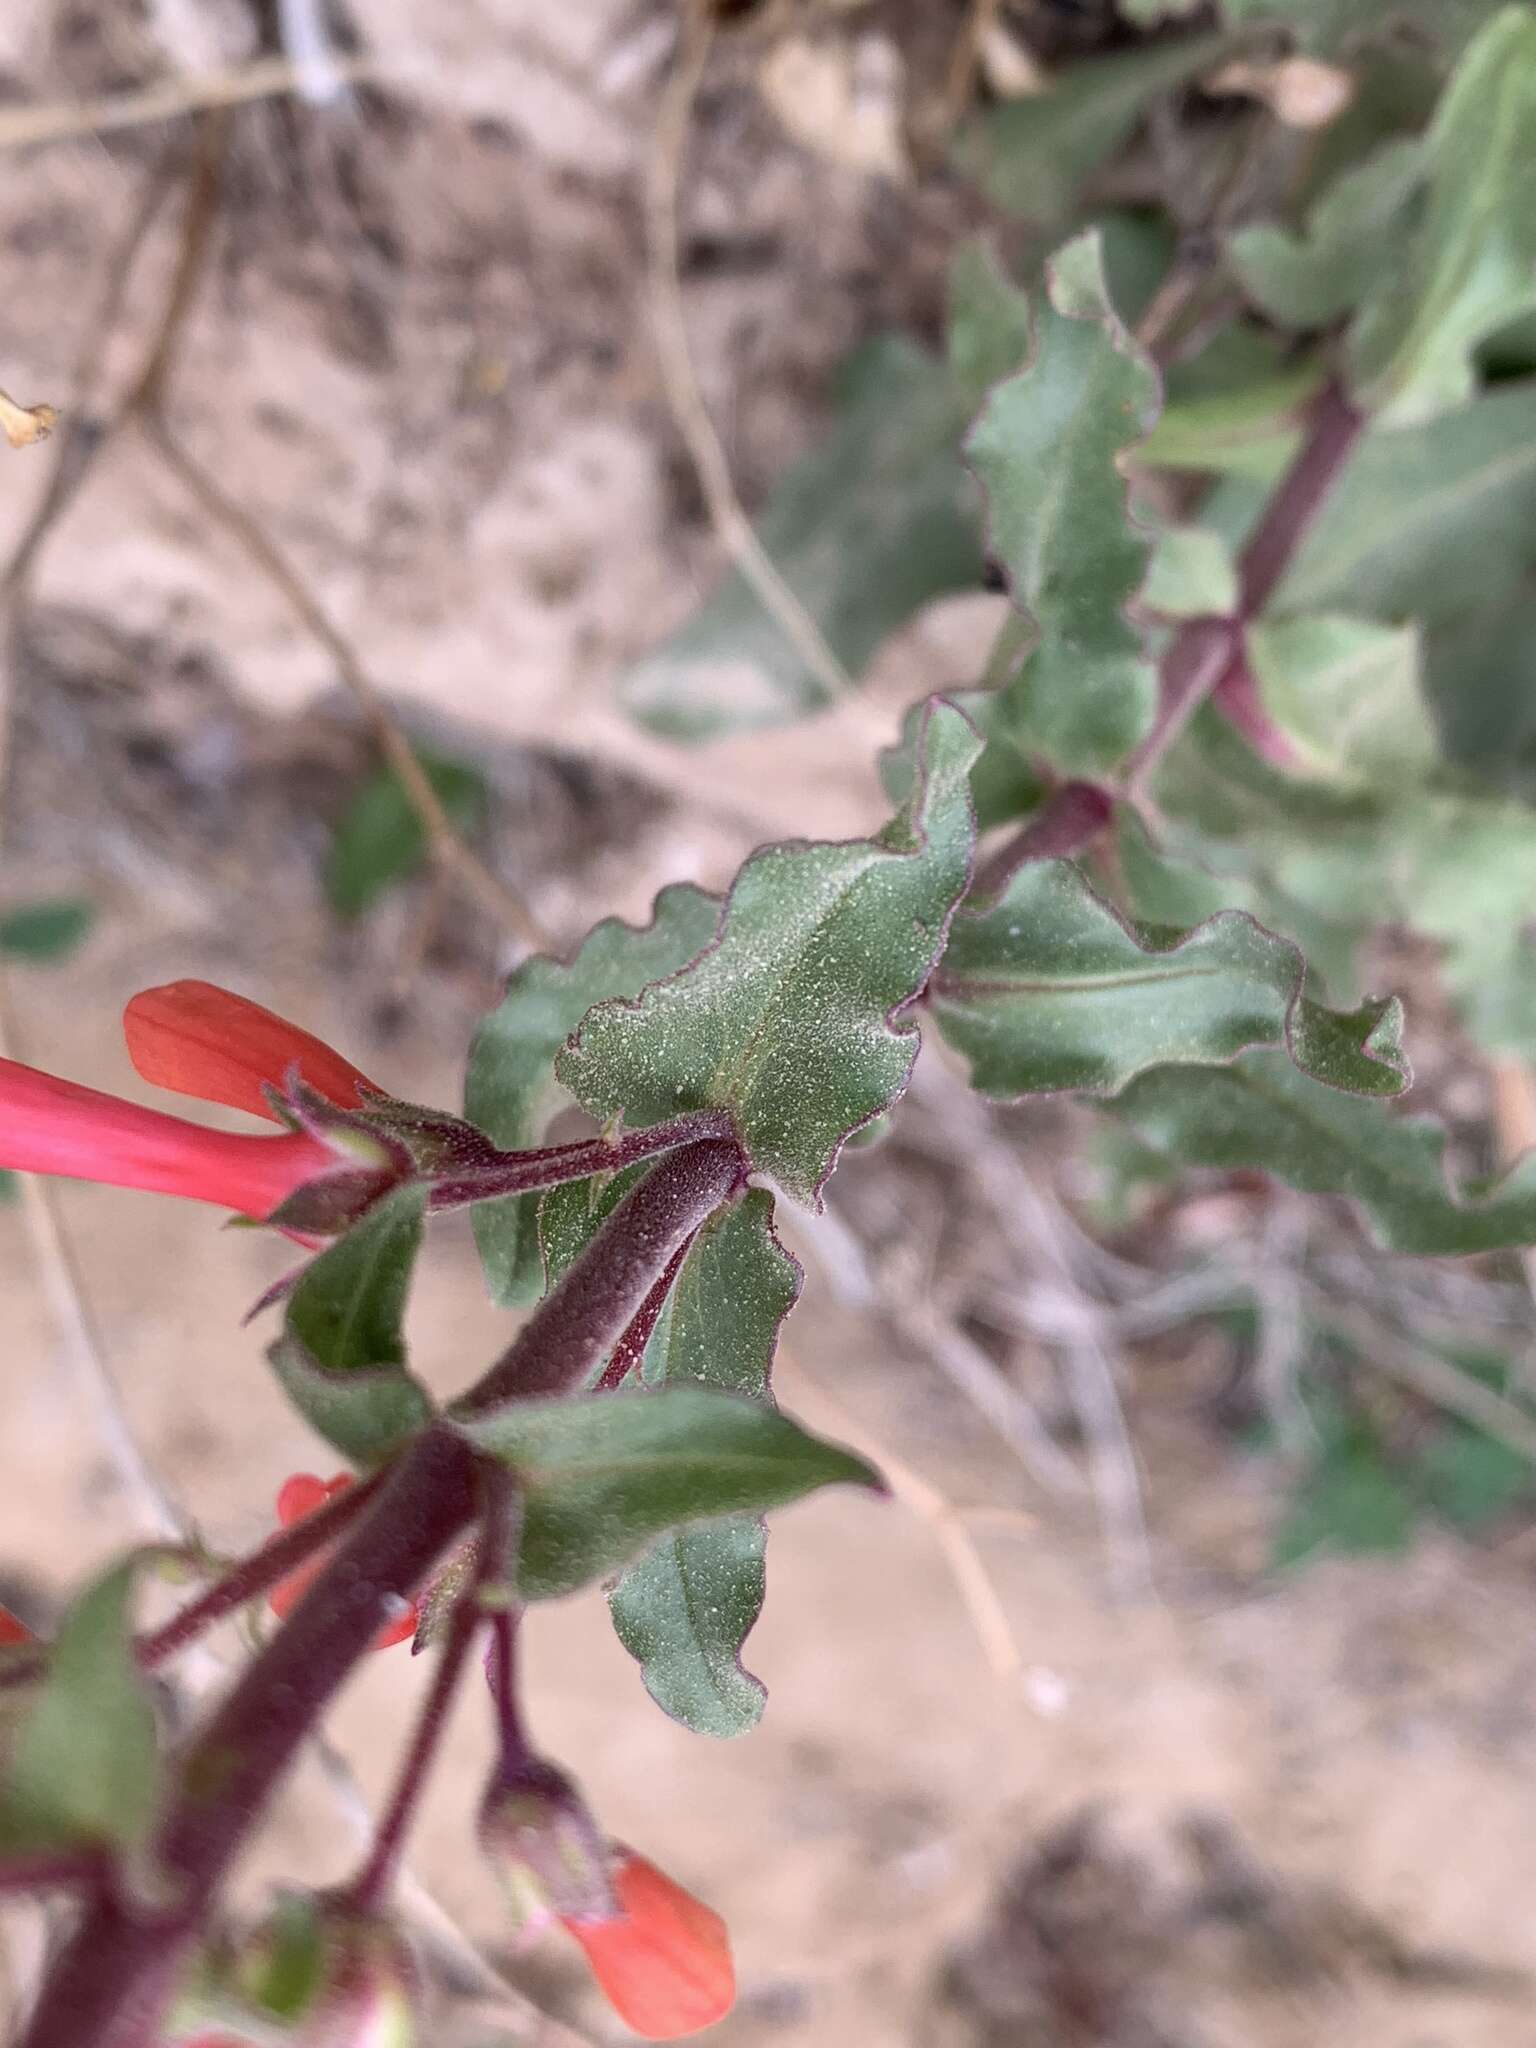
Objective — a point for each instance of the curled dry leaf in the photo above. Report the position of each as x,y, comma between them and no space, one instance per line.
23,425
1302,92
841,100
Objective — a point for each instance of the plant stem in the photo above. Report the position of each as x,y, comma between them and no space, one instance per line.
252,1576
585,1314
518,1173
514,1751
1070,819
111,1982
630,1349
1334,424
370,1887
1204,650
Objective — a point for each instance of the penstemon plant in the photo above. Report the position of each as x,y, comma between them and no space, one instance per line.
1198,742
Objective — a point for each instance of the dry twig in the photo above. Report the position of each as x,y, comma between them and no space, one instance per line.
1088,1340
979,1596
679,379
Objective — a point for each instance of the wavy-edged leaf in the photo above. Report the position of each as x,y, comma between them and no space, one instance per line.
1047,449
510,1089
1352,235
1471,267
1347,696
989,326
1050,989
787,1020
1262,1113
871,525
341,1357
603,1476
1033,156
686,1608
82,1768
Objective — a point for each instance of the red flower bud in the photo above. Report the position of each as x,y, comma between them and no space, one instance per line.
664,1960
545,1846
299,1496
201,1041
196,1039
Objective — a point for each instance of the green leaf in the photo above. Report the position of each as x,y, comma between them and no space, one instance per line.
1192,575
1354,234
510,1089
601,1477
988,323
1470,1478
1248,432
787,1020
1330,25
1471,268
1429,522
1261,1113
1347,695
686,1608
83,1768
381,841
342,1357
46,930
1047,449
1351,1503
1033,156
1050,989
868,528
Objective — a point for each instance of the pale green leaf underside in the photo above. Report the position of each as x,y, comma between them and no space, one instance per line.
1352,233
1471,267
1047,449
1049,989
786,1020
601,1478
83,1764
510,1089
1192,575
685,1610
1261,1113
1347,695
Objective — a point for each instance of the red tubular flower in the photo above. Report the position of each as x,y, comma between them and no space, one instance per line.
201,1041
299,1496
53,1126
664,1961
12,1630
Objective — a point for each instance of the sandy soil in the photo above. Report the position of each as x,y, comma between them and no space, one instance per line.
1240,1814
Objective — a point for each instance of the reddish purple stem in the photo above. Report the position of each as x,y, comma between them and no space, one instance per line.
110,1984
1204,653
630,1349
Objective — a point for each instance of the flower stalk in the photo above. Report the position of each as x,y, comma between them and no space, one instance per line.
110,1984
